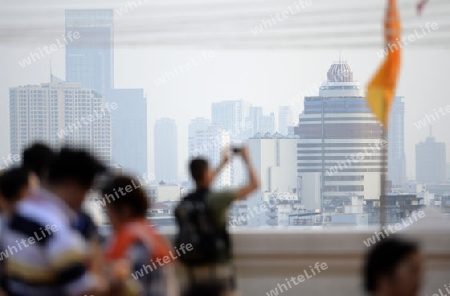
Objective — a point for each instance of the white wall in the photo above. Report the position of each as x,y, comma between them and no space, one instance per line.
310,191
168,193
276,163
372,186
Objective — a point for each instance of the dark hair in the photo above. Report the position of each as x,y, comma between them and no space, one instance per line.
213,288
383,259
78,165
198,168
134,199
37,159
12,181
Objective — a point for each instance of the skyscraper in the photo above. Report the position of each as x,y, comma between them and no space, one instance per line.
430,161
166,150
60,113
129,125
396,140
284,119
90,58
341,146
231,116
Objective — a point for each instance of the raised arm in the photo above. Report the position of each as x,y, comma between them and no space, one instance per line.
253,182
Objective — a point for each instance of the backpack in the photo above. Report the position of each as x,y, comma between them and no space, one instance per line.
210,243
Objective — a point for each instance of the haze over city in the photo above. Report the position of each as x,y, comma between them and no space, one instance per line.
264,77
261,146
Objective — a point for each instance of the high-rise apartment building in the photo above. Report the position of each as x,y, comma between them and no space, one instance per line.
431,161
90,58
341,150
166,150
59,114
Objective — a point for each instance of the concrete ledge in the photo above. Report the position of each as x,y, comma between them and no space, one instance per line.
265,257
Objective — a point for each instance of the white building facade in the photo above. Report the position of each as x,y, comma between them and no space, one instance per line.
275,161
60,114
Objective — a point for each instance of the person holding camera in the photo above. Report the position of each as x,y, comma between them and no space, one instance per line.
202,220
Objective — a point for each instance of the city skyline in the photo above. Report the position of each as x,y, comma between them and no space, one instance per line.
319,131
183,166
290,73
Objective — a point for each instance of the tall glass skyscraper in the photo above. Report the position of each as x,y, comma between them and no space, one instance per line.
166,150
129,130
90,61
396,140
90,58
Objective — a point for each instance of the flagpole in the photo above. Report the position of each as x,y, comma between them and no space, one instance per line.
383,196
382,88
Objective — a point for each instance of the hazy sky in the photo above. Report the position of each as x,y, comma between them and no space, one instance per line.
264,77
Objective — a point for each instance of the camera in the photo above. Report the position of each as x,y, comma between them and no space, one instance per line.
236,150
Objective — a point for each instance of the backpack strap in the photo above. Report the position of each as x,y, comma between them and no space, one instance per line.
197,195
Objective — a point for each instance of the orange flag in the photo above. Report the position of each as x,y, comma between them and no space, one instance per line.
381,89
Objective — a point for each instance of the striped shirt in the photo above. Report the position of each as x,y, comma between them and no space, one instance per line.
45,254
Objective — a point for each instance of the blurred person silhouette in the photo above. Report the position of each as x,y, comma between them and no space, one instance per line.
135,247
37,159
202,220
213,288
46,255
393,267
2,262
14,184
